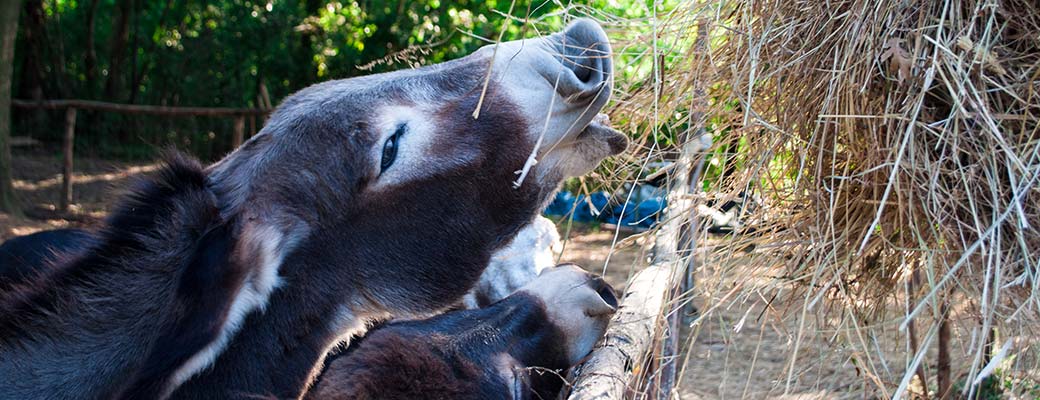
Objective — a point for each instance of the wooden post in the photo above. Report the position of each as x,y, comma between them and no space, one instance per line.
684,183
9,10
607,372
694,153
605,375
240,129
671,250
66,170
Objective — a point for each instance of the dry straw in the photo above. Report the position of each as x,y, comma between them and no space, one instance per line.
894,147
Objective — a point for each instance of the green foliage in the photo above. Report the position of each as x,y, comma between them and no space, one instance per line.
230,53
226,53
991,388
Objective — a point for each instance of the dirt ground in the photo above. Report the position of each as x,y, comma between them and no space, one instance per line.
738,349
37,183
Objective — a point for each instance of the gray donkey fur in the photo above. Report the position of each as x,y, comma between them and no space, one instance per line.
360,199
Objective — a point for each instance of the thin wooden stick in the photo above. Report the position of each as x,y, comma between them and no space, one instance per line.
137,108
66,169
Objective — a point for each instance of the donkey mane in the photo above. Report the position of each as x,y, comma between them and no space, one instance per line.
164,246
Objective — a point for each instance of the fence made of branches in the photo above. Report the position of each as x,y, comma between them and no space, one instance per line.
71,108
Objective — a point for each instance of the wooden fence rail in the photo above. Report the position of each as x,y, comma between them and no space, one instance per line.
648,310
139,108
71,105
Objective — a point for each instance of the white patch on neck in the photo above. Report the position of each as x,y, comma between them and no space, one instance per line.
271,246
513,373
345,324
533,250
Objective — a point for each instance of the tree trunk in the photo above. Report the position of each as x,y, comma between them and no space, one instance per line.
140,74
117,59
33,76
90,58
305,51
121,36
135,23
60,76
263,97
8,32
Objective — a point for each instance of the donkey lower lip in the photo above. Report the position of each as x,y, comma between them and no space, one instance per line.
597,131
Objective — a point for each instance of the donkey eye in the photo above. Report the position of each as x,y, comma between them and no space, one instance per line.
390,149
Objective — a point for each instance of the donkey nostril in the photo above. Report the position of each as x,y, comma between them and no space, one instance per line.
605,291
583,73
585,60
586,53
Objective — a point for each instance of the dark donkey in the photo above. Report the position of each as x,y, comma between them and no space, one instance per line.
360,199
517,348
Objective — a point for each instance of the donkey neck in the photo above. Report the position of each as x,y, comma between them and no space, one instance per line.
279,349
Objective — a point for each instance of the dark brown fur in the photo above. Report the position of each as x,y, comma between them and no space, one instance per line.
506,350
400,369
167,240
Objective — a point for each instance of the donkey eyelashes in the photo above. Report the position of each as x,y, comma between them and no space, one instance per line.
390,148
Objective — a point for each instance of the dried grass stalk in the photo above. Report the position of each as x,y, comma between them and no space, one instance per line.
886,139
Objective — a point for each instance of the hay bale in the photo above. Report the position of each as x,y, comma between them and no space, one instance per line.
888,140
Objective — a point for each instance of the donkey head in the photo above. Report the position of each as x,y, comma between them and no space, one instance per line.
400,185
577,303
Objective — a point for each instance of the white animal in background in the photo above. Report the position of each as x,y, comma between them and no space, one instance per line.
534,249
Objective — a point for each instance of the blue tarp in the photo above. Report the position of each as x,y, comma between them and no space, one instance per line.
641,211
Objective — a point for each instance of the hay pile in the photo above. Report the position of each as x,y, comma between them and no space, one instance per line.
894,146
